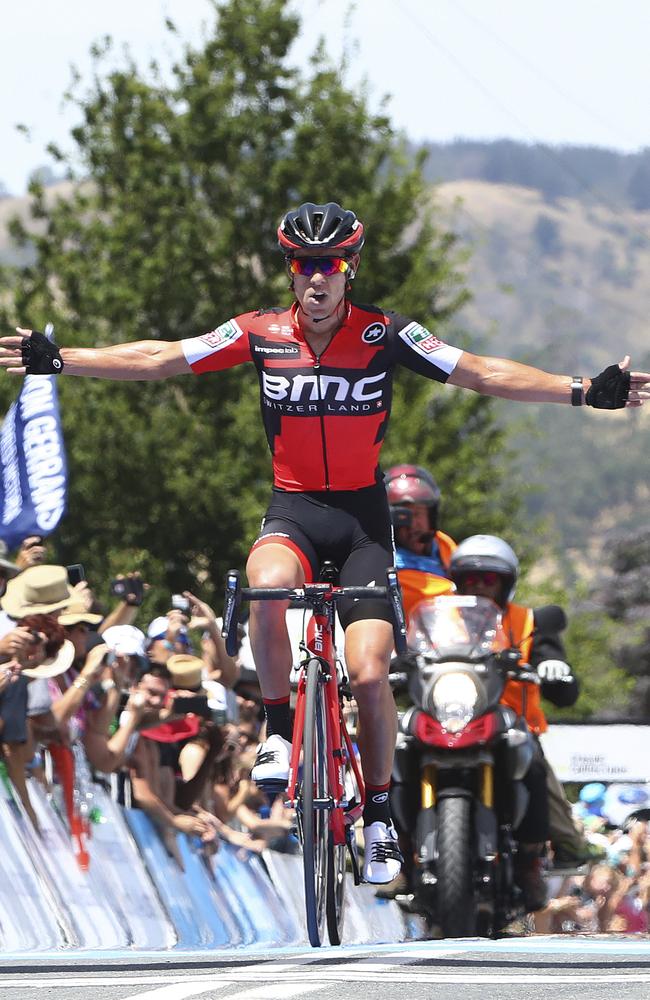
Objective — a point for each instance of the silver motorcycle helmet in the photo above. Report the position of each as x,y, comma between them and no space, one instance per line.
484,553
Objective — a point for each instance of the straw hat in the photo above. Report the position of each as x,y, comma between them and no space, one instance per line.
55,665
76,613
186,672
38,590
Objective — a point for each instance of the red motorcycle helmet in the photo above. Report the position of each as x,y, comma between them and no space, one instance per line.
320,227
409,484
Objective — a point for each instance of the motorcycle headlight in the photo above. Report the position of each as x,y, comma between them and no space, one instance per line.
453,698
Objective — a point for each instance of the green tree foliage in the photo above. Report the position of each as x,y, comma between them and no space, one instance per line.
624,595
171,230
591,643
594,641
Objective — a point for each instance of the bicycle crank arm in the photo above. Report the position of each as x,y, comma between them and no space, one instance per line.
351,841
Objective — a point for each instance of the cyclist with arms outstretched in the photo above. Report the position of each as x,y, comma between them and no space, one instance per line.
325,368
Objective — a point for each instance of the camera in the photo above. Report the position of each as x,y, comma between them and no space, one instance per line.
129,589
180,603
196,704
76,574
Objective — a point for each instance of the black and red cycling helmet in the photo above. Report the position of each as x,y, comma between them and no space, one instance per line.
408,484
320,227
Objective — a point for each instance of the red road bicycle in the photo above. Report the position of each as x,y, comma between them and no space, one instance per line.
325,786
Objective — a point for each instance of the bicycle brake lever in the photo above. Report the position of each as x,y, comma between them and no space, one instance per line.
399,621
232,600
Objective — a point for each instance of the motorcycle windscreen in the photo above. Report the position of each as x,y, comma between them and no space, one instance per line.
456,626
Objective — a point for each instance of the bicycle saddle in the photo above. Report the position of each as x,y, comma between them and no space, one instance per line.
329,573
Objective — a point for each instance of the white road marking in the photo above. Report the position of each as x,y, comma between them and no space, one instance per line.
179,991
277,992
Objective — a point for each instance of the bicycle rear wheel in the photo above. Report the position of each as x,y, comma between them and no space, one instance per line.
314,809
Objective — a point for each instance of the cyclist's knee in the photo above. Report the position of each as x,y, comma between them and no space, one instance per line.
370,680
274,566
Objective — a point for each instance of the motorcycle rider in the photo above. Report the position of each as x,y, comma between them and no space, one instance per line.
422,551
486,566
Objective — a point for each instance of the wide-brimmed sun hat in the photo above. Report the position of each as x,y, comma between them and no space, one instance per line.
76,613
54,665
38,590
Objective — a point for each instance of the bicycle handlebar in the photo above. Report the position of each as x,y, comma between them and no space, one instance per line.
311,593
309,596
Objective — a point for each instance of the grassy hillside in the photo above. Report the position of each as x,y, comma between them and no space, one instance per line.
561,282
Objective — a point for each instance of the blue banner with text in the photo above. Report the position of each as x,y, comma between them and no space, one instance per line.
33,468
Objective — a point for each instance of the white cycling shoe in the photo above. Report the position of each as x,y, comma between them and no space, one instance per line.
382,858
271,765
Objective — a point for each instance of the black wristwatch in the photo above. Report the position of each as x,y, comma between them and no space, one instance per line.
577,391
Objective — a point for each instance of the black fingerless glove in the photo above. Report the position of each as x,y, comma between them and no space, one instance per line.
609,390
40,355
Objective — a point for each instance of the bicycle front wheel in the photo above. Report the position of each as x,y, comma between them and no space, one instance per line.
336,866
315,805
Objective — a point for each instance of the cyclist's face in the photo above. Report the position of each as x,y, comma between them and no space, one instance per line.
319,294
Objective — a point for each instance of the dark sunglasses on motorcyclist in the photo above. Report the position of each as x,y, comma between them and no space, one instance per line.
487,577
324,265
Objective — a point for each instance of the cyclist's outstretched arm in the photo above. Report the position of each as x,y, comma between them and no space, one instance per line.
511,380
143,360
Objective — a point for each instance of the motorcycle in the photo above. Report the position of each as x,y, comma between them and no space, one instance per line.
470,754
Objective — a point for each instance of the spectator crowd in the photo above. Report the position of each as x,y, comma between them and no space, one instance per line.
97,692
612,894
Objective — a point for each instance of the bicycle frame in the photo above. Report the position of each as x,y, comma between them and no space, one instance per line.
319,795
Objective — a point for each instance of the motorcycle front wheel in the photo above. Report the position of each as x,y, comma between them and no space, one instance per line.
455,886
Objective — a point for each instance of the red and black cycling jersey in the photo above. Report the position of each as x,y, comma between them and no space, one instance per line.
325,415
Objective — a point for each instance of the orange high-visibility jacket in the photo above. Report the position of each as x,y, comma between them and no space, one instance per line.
525,699
419,586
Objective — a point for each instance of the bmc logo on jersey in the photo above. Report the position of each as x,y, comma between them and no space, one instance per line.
422,339
222,336
373,333
324,388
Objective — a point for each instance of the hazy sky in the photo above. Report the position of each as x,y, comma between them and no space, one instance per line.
558,71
